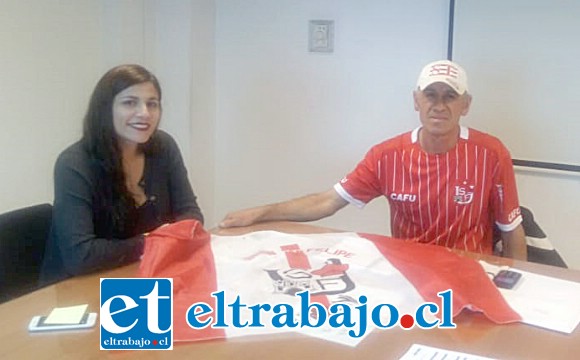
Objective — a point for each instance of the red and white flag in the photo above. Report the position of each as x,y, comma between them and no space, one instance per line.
270,267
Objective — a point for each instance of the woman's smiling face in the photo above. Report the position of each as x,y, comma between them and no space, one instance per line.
136,113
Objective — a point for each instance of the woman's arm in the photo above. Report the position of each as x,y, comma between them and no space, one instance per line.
183,200
73,225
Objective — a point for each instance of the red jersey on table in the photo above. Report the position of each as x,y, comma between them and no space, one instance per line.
450,199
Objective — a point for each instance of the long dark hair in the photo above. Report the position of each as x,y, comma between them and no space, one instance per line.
100,140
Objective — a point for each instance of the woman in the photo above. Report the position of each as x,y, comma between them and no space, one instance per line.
122,179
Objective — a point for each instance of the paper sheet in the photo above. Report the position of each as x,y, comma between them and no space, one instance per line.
544,301
66,315
336,335
420,352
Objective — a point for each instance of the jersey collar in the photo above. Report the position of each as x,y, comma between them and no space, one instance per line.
463,133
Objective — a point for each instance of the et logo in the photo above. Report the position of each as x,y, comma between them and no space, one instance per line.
136,314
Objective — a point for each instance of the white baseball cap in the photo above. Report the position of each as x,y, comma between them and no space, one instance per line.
444,71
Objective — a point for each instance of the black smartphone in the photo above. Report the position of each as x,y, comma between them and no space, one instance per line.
507,279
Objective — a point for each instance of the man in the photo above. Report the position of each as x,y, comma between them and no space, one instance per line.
446,184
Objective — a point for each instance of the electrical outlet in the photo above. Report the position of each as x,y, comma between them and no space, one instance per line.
321,36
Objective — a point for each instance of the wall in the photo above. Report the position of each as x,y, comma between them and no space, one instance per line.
527,91
527,95
290,122
54,52
51,51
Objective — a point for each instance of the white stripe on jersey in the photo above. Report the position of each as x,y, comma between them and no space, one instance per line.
438,204
346,196
394,177
419,195
447,200
428,188
412,191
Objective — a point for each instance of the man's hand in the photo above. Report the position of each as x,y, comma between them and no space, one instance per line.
244,217
307,208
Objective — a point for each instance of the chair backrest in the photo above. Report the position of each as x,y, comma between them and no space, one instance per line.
23,235
546,255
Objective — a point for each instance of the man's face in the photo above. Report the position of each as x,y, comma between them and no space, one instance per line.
440,108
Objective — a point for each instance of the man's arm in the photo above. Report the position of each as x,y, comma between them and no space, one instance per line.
307,208
514,244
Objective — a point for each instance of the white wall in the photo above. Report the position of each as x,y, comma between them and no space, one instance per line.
290,122
522,62
50,53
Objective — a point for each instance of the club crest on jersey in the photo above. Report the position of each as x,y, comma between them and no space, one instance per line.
330,279
463,194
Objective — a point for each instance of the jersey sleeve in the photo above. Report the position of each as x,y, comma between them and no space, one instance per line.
362,184
504,195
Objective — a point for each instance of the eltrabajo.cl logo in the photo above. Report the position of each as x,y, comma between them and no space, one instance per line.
136,314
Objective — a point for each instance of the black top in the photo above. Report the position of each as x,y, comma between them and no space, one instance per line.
83,237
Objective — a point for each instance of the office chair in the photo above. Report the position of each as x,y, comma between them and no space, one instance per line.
540,249
23,235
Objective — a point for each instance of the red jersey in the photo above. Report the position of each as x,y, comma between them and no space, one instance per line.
450,199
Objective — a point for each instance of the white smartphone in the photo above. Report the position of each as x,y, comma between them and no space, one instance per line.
37,324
